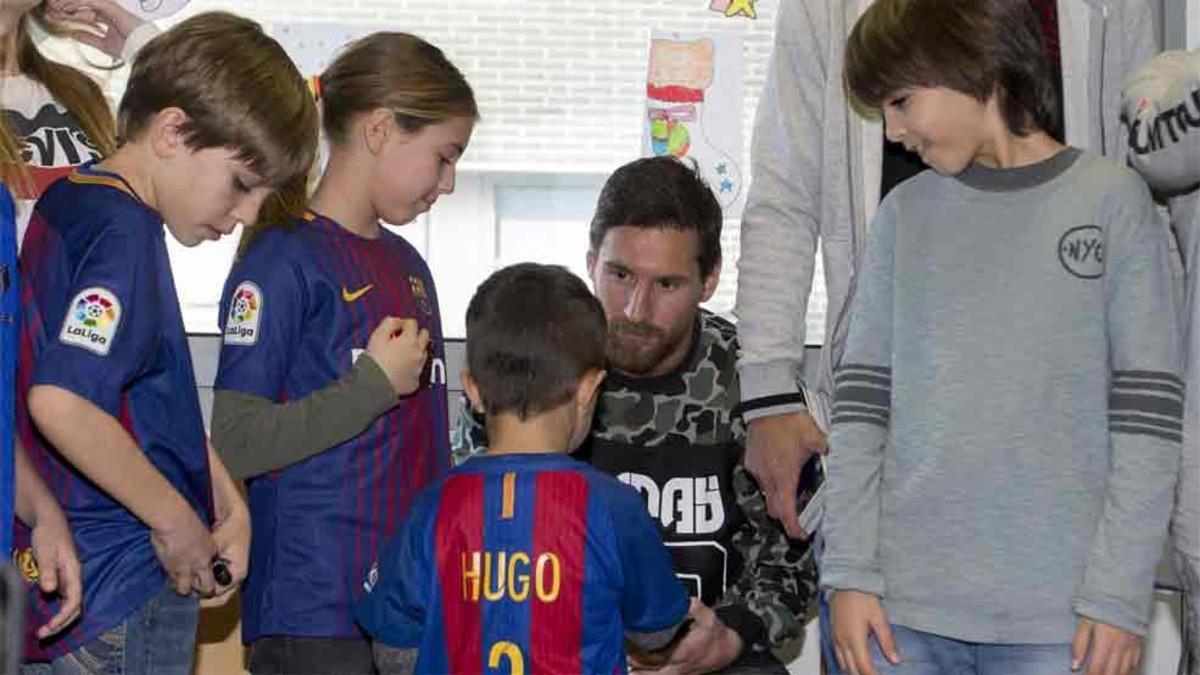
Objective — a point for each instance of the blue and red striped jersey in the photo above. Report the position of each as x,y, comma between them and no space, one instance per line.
298,308
528,563
100,318
10,305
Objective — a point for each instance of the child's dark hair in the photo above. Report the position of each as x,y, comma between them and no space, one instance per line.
533,331
976,47
660,192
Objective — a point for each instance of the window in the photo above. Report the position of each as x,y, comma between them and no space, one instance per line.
561,86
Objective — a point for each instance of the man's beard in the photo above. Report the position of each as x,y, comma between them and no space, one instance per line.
636,348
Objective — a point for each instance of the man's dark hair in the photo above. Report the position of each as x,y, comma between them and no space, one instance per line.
533,331
976,47
661,192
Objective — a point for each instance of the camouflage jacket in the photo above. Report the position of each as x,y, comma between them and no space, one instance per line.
679,440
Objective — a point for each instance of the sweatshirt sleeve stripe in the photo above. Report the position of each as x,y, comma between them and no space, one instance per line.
1147,403
863,394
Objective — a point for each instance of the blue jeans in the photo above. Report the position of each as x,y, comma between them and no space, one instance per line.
828,654
159,638
929,654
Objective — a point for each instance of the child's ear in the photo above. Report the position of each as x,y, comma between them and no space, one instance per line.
165,131
472,391
377,126
589,389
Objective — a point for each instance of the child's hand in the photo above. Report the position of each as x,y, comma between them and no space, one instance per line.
232,536
58,570
186,549
1113,650
856,616
102,24
400,348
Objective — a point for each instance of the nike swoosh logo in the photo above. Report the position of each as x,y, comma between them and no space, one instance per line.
351,297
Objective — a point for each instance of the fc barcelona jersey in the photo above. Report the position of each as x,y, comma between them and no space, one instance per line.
9,305
298,310
100,319
525,563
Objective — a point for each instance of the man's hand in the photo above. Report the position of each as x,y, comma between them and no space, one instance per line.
102,24
1113,651
777,448
856,616
58,570
709,645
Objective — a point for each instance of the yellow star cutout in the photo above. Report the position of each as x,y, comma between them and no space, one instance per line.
745,7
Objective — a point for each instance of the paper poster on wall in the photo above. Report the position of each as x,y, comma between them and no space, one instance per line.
732,8
312,45
153,9
694,108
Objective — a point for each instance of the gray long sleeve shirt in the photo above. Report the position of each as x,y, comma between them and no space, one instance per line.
1007,424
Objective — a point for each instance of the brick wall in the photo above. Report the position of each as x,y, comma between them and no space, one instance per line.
561,86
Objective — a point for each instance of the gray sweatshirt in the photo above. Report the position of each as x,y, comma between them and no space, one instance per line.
816,173
1008,411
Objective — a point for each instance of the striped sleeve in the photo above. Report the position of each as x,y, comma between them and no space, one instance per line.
861,415
1146,403
863,393
1145,414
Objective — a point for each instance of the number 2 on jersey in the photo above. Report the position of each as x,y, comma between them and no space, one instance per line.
512,652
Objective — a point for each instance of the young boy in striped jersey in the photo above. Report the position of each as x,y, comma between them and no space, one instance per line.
524,558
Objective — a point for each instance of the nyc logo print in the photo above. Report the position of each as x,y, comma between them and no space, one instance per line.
245,313
92,320
1081,251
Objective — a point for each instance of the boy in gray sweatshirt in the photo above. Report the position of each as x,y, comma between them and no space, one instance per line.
1007,418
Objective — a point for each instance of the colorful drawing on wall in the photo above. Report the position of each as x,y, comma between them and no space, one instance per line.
153,9
694,108
732,8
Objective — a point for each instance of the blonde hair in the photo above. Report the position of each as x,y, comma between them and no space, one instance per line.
398,71
392,70
70,88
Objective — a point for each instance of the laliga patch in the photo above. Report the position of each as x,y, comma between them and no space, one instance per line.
92,320
245,313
